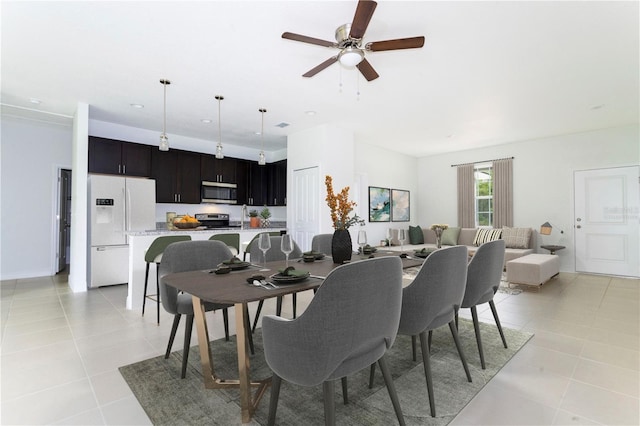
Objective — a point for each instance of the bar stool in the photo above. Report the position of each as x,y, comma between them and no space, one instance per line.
154,255
231,240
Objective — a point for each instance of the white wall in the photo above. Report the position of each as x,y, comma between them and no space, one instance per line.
32,152
542,179
376,166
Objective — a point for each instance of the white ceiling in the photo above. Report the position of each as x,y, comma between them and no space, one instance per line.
489,73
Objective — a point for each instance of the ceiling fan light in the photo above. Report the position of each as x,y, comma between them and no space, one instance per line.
350,56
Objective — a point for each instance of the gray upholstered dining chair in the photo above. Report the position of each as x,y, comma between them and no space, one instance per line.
254,242
431,301
483,280
350,323
274,254
189,256
322,243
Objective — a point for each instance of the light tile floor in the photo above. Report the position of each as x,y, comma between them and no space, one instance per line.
61,352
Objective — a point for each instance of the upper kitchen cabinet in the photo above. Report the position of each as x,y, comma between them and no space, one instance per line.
277,188
218,170
252,183
115,157
177,175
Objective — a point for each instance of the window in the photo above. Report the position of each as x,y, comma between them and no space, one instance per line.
483,176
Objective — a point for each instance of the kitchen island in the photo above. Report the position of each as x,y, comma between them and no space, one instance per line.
140,241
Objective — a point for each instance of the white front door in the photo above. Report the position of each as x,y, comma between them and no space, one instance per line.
607,230
306,208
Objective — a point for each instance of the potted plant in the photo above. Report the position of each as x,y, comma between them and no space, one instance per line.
265,214
254,220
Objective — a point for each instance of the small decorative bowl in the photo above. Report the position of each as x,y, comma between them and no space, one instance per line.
308,258
186,225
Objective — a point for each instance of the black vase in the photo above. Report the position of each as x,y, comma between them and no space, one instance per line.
341,247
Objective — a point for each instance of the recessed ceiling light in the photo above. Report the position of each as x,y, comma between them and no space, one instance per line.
137,106
597,106
282,125
35,101
206,120
310,112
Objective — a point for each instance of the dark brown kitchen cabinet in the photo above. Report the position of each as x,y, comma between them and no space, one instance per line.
218,170
177,175
114,157
277,187
252,183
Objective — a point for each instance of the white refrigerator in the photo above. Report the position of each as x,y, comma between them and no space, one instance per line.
116,205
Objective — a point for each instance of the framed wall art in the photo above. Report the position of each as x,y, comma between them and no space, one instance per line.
379,204
400,211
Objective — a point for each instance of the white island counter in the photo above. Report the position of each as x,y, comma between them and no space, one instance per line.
140,241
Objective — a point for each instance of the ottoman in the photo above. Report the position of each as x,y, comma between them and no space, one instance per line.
533,269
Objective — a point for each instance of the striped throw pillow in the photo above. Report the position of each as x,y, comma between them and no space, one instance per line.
484,235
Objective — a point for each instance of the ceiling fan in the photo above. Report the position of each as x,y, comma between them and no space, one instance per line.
349,41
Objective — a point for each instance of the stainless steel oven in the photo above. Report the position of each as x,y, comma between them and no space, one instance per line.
219,192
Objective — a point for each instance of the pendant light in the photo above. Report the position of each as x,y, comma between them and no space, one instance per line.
261,159
164,140
219,154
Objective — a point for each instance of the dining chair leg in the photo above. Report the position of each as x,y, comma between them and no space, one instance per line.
426,362
388,380
345,396
454,333
255,320
476,329
413,347
157,294
273,402
295,302
172,336
495,317
225,318
188,327
430,338
144,293
247,324
329,405
372,373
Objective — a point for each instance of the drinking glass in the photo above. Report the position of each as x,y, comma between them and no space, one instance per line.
286,245
264,244
362,240
402,236
389,235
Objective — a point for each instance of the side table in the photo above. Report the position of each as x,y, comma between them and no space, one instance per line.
552,248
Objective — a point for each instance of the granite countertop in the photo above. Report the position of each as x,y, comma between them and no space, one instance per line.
161,229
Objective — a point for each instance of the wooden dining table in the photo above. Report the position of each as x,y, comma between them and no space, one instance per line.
233,288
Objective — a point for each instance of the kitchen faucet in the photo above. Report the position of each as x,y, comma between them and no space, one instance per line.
242,216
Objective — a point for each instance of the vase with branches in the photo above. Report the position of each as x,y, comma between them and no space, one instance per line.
341,207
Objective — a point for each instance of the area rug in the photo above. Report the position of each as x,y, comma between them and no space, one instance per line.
168,400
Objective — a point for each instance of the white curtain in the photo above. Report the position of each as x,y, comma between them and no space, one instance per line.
466,196
503,193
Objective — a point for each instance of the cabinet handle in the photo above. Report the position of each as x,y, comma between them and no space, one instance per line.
124,169
175,198
179,198
119,169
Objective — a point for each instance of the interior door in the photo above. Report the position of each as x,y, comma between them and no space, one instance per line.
64,218
607,232
306,207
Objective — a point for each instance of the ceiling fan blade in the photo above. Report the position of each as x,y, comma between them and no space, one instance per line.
361,19
400,43
305,39
316,70
367,70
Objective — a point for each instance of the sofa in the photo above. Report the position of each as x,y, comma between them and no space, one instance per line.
519,241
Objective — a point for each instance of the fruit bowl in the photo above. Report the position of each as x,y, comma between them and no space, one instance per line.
186,225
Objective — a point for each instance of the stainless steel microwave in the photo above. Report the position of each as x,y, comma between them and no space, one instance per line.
219,192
